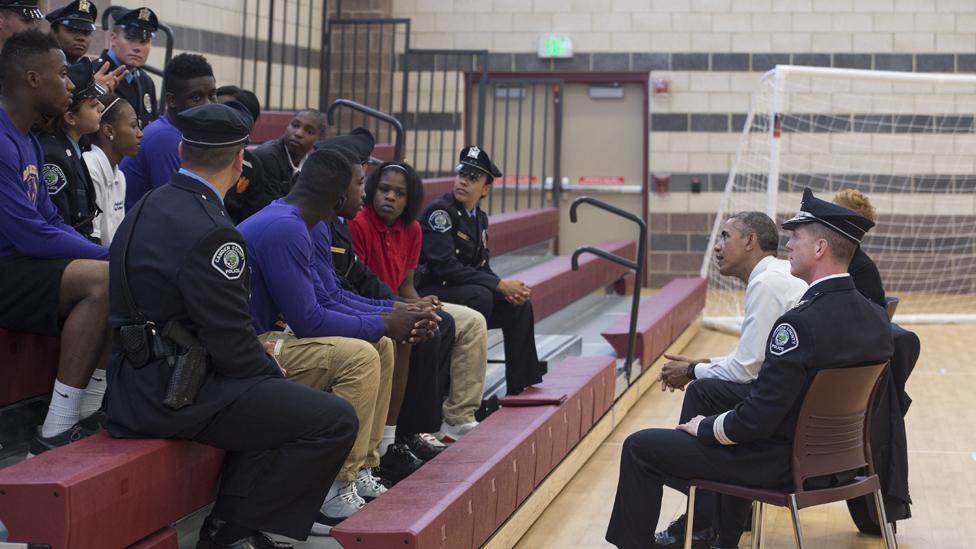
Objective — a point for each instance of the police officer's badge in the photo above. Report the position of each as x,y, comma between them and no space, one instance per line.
784,340
147,102
54,178
473,152
440,221
144,14
84,6
229,260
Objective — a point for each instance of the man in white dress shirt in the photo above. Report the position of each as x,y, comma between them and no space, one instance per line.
746,249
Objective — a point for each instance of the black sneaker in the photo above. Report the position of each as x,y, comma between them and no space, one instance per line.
40,444
674,535
398,463
95,422
420,446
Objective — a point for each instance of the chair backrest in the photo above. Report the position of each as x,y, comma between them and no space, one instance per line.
831,432
891,303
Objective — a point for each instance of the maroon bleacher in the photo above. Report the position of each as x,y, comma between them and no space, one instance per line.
435,187
103,492
510,231
28,365
490,471
165,538
554,283
661,318
270,125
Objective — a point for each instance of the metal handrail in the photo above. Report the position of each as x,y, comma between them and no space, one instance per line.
369,111
639,266
166,30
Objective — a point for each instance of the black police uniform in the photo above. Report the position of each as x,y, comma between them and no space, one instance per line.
79,15
455,267
833,326
353,275
866,277
136,87
276,167
26,8
68,182
186,262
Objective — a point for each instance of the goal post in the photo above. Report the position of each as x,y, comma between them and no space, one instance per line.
905,139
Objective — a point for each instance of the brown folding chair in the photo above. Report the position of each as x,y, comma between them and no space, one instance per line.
891,303
831,437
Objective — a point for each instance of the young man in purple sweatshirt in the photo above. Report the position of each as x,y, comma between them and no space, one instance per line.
52,280
344,348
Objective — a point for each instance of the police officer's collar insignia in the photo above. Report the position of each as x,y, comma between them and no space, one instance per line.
229,260
473,152
783,340
54,178
463,236
144,14
440,221
147,102
801,303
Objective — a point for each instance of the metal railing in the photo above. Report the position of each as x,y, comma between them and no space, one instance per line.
638,267
373,114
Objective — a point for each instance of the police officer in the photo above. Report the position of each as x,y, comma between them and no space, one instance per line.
131,41
751,442
68,182
177,262
17,16
72,26
454,267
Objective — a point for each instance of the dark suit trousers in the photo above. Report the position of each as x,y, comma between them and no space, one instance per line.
517,322
430,363
285,444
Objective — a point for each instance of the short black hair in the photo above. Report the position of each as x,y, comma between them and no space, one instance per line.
325,175
244,97
315,112
183,67
21,48
415,188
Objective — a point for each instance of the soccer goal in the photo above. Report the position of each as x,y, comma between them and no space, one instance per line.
907,140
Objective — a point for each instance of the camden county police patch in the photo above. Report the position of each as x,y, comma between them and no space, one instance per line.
229,260
440,221
784,340
54,178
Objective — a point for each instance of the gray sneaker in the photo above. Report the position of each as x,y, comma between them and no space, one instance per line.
337,509
78,431
367,486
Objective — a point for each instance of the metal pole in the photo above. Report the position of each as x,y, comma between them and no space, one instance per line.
267,71
243,40
532,145
557,144
772,179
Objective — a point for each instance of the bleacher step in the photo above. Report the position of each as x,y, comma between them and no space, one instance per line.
551,348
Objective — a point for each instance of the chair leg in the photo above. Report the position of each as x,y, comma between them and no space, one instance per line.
889,536
690,516
796,522
758,517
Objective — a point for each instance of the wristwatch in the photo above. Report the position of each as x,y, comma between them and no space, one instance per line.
691,370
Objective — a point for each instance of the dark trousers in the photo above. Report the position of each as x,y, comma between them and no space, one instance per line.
285,444
653,458
430,362
517,322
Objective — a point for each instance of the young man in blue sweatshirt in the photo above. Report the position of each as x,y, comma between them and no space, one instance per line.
320,343
190,83
53,281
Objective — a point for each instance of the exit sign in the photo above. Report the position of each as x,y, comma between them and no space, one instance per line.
555,46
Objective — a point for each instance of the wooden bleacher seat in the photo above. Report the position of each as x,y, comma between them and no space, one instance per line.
104,492
510,231
435,187
271,125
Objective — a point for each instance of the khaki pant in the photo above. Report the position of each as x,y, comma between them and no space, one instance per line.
359,372
469,359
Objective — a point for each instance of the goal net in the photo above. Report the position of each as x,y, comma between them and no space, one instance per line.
906,140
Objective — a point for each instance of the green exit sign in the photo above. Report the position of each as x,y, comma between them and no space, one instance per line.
554,46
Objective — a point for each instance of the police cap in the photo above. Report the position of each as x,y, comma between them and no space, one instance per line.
475,160
851,225
82,75
79,15
139,24
214,126
359,141
26,8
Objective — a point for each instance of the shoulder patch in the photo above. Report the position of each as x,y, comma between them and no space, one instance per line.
783,340
440,221
54,178
229,260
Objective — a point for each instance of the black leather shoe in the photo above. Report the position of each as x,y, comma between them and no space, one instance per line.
212,525
674,536
420,447
398,463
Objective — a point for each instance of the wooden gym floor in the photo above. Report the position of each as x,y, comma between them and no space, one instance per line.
941,428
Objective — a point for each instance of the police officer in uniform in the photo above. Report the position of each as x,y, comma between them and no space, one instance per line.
179,291
131,42
454,266
751,442
72,26
17,16
68,182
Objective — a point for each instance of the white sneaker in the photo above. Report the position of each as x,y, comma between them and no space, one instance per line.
432,440
337,509
451,433
367,486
